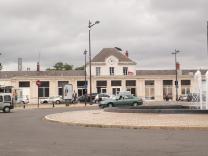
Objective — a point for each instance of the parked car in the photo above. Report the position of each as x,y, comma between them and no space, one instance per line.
192,97
53,99
101,97
22,100
6,102
121,100
183,98
82,98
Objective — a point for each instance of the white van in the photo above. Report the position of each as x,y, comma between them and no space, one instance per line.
6,102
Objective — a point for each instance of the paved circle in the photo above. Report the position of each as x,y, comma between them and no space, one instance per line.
100,118
24,133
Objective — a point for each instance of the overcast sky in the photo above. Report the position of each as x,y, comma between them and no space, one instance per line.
149,29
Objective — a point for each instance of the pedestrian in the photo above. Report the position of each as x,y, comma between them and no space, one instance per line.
74,95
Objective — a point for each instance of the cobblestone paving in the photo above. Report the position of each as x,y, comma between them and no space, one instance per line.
132,120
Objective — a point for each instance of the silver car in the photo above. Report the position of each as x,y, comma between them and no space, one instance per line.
22,100
53,99
6,102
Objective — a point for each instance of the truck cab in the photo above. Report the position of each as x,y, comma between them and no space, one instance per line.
6,102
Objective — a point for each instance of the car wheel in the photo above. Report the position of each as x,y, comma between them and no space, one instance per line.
45,102
135,104
23,102
6,110
110,105
58,102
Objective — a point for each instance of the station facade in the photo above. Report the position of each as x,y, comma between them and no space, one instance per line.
112,71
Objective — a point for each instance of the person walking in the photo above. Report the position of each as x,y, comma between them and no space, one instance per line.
74,95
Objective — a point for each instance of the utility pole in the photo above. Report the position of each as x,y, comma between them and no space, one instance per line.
176,72
85,53
90,26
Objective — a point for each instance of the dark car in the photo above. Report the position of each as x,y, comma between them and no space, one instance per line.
82,98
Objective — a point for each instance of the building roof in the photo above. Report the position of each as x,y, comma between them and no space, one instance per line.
167,72
10,74
106,52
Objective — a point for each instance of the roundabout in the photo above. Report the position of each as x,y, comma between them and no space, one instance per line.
168,117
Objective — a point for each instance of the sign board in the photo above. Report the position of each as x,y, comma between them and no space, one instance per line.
67,92
38,83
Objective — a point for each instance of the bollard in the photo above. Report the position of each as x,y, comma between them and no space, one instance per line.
53,104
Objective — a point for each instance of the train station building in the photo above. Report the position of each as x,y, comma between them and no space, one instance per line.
112,71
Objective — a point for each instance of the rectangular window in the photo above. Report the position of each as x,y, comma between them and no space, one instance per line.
1,98
43,90
116,83
185,87
111,70
7,98
185,82
101,86
24,84
130,82
98,71
81,84
168,89
101,83
125,70
149,90
168,82
60,87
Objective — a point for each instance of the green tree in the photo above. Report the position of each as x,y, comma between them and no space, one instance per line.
61,66
80,68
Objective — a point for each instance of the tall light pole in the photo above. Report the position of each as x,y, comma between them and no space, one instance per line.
90,26
85,53
176,72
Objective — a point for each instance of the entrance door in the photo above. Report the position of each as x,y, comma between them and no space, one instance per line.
103,90
81,91
132,91
115,91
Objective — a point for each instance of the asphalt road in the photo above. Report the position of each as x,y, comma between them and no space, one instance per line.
24,133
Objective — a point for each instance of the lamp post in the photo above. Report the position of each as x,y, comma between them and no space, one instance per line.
90,26
176,72
85,53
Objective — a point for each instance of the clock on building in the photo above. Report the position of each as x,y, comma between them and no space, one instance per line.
111,61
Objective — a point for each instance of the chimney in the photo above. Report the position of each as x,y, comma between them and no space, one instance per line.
126,53
177,66
38,66
19,64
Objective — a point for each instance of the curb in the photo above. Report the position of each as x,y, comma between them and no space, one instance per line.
72,106
126,126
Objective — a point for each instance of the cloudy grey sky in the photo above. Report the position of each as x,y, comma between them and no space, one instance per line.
149,29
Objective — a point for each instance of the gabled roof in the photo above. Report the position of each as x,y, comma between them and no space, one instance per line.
107,52
11,74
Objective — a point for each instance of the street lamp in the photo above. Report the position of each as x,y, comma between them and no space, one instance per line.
176,73
90,26
85,53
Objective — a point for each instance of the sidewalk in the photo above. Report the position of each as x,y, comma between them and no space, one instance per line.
35,106
99,118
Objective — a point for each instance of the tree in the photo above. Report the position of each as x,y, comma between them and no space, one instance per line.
61,66
80,68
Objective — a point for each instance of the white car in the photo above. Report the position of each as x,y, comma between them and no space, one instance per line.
101,97
22,100
53,99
